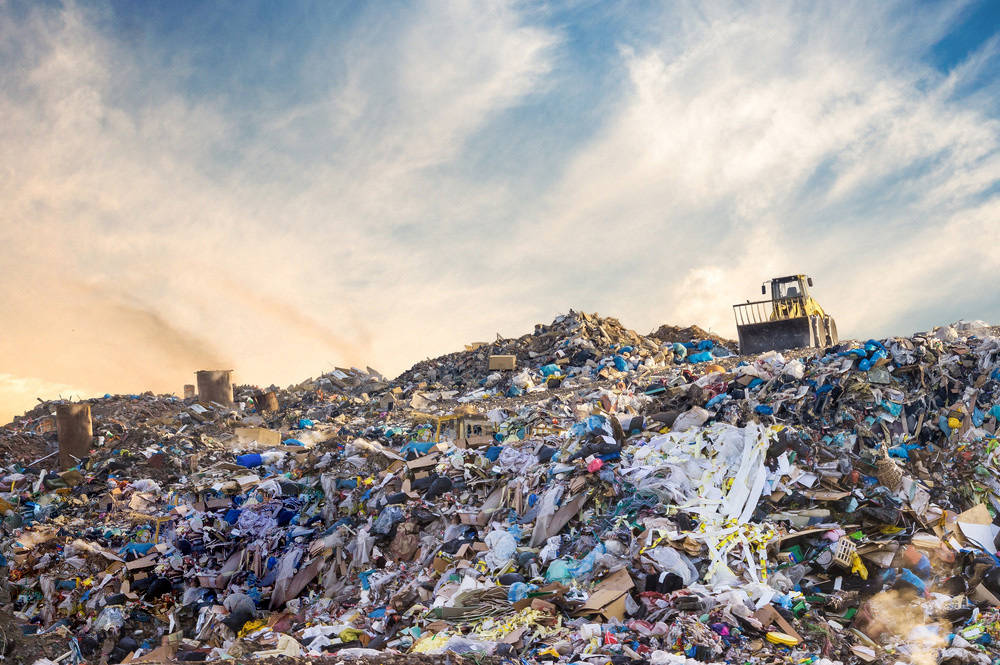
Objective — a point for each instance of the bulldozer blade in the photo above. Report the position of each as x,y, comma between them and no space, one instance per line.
794,333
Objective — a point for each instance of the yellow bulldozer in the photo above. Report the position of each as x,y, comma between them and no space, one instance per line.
791,319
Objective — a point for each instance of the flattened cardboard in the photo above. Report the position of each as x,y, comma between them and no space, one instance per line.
502,362
145,562
768,616
983,595
477,518
427,461
248,480
608,598
441,563
258,435
475,441
482,516
72,478
303,577
561,518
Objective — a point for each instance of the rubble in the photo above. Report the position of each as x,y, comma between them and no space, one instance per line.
612,498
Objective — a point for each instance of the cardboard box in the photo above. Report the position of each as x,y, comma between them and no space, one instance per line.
477,518
441,563
502,362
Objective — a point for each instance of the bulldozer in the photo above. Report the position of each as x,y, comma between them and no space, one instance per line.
791,319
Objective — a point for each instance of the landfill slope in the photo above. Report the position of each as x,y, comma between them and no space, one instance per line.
669,333
607,497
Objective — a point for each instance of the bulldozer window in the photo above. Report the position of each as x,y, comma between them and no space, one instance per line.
787,290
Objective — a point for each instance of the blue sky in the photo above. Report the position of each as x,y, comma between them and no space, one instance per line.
285,187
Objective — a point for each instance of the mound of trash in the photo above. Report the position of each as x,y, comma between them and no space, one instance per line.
574,337
668,333
577,347
581,494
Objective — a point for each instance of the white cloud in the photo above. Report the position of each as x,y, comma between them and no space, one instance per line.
129,242
149,231
770,140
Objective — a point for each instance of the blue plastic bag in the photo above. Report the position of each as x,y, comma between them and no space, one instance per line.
519,591
250,460
715,400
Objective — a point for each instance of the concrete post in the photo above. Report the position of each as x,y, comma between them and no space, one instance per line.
75,431
189,391
215,386
266,401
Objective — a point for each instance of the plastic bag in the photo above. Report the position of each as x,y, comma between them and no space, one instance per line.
558,571
388,518
146,485
110,618
551,549
693,417
519,591
669,560
463,645
586,564
502,548
795,369
249,460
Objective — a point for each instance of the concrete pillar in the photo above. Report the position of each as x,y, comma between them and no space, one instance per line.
266,401
75,431
215,386
189,391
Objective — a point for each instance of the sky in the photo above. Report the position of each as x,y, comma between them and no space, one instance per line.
285,187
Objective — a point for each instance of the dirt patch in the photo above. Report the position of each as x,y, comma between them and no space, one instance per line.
20,649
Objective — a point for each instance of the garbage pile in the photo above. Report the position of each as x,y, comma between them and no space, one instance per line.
575,348
669,333
822,506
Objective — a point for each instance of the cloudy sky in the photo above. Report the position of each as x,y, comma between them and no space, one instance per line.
282,187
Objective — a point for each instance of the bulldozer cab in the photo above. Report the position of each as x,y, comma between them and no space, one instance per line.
790,298
790,319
